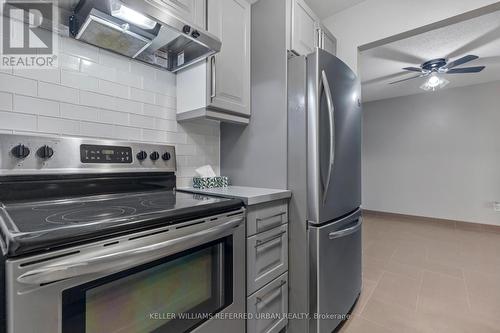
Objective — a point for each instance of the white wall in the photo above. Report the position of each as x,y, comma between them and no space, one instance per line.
434,155
373,20
98,94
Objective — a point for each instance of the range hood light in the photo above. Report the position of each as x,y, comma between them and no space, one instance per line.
131,16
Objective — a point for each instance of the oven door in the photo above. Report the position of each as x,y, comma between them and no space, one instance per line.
187,278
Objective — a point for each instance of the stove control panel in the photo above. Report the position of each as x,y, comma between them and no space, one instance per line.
105,154
26,154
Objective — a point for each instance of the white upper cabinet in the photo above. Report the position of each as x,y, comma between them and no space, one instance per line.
191,10
326,40
219,88
230,68
305,30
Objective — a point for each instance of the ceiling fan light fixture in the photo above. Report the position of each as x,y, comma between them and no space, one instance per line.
434,82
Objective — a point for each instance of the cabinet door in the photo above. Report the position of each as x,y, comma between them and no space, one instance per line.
326,40
229,70
191,10
303,37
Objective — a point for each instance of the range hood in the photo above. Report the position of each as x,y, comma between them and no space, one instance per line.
144,30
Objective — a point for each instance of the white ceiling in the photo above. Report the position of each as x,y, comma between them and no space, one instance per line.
327,8
479,36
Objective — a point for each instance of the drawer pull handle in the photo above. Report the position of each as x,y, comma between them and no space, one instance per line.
259,242
260,299
260,219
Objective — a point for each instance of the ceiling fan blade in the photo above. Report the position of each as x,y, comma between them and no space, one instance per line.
409,78
460,61
413,69
466,70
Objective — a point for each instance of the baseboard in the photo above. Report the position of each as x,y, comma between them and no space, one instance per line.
458,224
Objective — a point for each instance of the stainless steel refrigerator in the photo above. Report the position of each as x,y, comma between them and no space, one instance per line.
324,174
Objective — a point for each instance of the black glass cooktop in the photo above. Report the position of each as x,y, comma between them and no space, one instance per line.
28,226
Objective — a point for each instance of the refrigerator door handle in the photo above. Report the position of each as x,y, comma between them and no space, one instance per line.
347,231
331,114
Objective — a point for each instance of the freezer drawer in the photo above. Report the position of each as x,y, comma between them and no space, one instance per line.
335,282
267,257
267,307
266,216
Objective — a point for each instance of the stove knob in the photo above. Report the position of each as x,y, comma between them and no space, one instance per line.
45,152
141,156
166,156
154,156
20,151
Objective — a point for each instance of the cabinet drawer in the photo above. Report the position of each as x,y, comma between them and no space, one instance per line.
266,216
267,257
271,300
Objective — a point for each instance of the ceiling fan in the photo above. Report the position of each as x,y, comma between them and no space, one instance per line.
442,66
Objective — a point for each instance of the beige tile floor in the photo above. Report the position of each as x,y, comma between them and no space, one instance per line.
427,276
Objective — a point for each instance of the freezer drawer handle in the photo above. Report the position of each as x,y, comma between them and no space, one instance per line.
260,242
261,299
104,262
346,232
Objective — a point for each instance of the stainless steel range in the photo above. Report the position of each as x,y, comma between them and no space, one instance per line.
96,239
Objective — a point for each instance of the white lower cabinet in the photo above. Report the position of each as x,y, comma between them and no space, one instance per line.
266,307
267,257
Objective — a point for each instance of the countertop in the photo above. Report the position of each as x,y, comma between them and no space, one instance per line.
249,195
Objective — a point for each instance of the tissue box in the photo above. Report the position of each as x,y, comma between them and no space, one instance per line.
210,182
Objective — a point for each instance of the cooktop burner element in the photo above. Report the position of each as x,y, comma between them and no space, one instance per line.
90,214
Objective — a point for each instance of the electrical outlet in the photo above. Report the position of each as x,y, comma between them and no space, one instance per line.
496,206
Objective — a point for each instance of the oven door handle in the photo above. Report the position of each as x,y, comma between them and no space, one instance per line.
107,261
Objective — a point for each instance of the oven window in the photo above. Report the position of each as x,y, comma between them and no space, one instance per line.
174,294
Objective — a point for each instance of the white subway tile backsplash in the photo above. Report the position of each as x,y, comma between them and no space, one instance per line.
79,80
113,117
96,93
69,62
97,130
58,126
17,121
142,95
113,89
166,125
126,105
153,135
98,70
79,112
141,69
79,49
47,75
57,92
96,100
18,85
128,79
166,101
6,101
137,120
113,60
33,105
128,133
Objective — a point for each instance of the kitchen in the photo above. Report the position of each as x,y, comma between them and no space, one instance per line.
186,166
